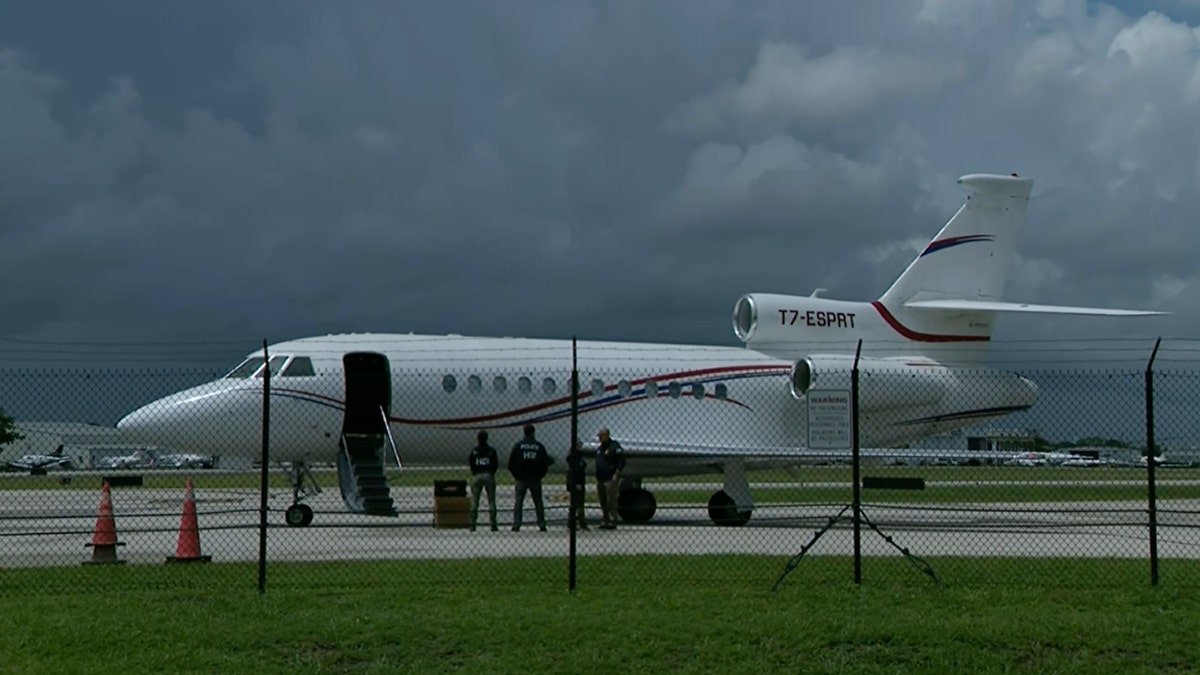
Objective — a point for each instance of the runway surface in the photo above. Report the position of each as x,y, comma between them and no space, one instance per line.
50,528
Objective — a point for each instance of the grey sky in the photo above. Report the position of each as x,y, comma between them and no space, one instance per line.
230,171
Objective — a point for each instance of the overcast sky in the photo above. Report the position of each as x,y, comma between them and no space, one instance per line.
231,171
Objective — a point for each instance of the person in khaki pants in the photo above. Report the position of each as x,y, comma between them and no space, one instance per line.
610,461
484,462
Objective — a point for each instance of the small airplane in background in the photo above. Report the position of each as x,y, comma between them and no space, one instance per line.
183,460
38,464
138,459
676,409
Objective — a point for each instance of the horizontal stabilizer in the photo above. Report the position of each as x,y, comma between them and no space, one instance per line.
1021,307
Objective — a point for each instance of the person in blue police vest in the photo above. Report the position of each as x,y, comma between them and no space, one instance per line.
528,462
483,462
610,461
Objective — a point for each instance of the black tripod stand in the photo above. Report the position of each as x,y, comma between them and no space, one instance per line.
858,517
912,558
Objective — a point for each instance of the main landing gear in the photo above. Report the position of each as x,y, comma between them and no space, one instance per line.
724,510
636,504
730,507
303,485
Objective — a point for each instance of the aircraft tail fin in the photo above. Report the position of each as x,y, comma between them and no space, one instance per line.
970,257
954,286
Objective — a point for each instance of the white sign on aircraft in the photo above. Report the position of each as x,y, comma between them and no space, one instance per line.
351,398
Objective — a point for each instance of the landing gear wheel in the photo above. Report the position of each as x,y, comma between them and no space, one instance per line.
723,510
636,505
298,515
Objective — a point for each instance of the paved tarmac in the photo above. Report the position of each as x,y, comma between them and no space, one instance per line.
50,528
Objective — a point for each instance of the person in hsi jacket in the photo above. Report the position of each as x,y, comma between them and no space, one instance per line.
528,462
483,462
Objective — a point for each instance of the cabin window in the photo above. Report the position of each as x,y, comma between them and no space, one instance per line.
524,385
300,366
721,391
474,384
449,384
651,389
273,367
549,386
245,368
623,388
597,388
499,384
698,391
674,390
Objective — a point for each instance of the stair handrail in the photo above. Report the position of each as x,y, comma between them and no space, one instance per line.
346,448
388,429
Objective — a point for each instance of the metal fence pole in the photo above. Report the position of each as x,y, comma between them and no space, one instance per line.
262,485
1150,465
856,499
575,497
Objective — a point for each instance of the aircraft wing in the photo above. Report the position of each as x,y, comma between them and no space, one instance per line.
1021,307
714,454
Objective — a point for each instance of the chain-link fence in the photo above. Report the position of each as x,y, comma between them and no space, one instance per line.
369,462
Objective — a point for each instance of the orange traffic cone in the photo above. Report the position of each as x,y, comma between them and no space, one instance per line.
104,539
188,548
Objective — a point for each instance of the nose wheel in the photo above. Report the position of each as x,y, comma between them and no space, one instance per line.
303,485
298,515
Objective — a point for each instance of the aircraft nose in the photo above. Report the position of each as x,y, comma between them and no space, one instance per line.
153,424
202,419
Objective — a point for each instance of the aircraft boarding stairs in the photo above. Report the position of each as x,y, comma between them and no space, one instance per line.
361,475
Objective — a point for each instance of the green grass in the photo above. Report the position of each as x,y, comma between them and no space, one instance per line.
646,613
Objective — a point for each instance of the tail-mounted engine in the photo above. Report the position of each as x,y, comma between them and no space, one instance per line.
766,318
884,384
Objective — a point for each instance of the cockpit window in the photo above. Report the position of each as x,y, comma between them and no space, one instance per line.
245,368
274,366
300,366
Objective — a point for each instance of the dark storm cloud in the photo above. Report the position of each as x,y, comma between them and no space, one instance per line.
231,171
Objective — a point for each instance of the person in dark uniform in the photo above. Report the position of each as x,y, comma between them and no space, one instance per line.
483,462
610,461
528,462
577,484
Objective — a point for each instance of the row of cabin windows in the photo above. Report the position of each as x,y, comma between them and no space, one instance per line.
549,386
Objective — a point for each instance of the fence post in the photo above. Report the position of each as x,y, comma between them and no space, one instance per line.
1151,490
856,499
262,486
575,497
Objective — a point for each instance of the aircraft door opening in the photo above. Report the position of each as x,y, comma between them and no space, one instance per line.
368,388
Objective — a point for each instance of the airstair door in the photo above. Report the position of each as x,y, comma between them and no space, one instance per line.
368,389
361,461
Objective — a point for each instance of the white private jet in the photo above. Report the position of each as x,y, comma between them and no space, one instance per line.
675,409
137,459
37,464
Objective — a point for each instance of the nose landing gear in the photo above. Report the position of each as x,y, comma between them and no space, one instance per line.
303,485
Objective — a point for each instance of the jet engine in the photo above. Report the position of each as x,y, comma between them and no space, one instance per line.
883,383
902,399
763,318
